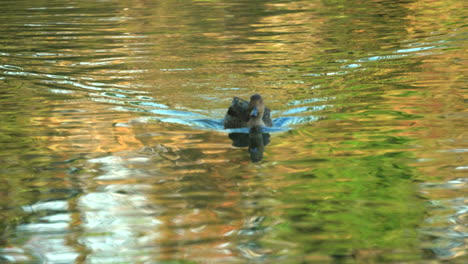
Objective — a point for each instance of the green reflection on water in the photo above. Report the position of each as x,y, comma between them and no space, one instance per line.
350,197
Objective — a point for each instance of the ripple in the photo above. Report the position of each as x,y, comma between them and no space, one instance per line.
45,227
10,67
177,69
287,122
45,206
149,104
61,91
308,101
77,84
382,57
304,109
174,113
195,123
116,95
408,50
351,66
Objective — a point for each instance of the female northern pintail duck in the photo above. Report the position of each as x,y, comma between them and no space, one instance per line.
247,114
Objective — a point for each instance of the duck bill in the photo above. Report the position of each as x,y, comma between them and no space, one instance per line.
254,112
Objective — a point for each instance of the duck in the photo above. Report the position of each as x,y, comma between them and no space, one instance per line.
250,114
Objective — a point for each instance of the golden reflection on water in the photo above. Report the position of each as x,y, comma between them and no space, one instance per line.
87,134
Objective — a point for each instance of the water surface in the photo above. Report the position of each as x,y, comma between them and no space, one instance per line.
113,148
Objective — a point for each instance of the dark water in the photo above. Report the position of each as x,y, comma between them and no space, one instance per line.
113,148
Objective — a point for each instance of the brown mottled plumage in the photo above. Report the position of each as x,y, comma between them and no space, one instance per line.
247,114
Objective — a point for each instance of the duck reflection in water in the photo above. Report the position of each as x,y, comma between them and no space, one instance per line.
253,115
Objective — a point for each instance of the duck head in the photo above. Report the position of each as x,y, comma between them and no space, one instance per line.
255,111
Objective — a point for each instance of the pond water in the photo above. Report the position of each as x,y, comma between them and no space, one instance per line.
113,148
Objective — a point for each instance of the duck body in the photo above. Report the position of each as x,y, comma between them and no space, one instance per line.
242,113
